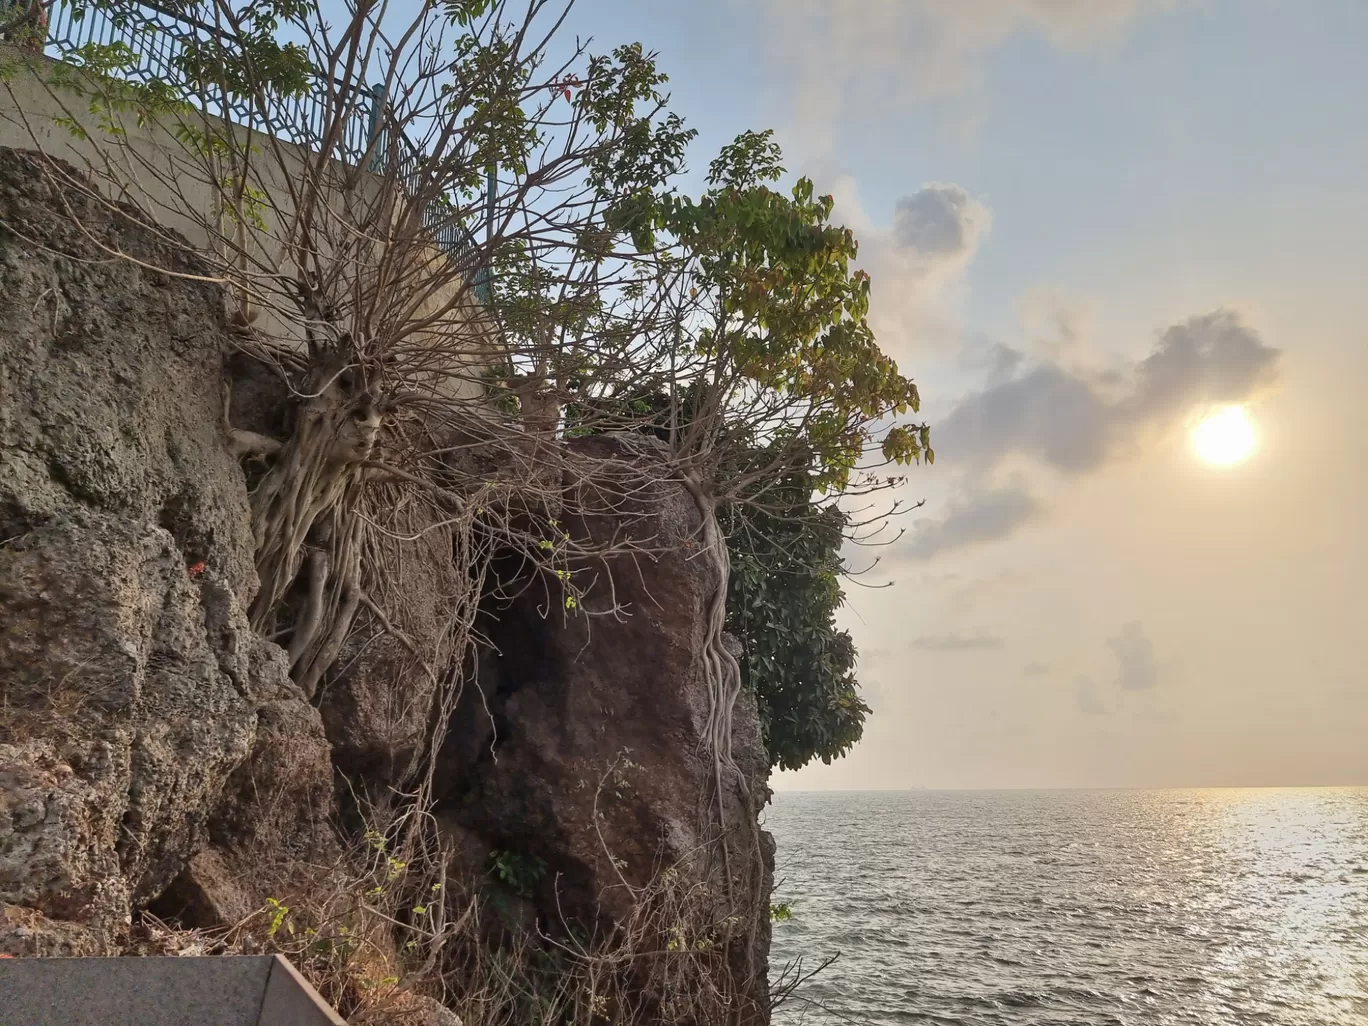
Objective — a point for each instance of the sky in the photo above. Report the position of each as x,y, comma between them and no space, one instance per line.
1089,224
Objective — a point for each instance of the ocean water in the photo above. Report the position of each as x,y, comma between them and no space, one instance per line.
1027,908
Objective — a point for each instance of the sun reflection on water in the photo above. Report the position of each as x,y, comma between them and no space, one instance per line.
1175,908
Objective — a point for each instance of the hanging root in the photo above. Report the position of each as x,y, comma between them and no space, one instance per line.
341,601
306,628
304,512
722,672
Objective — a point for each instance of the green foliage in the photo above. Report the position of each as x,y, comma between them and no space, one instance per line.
92,71
782,318
781,912
782,600
246,60
519,873
277,914
563,300
256,62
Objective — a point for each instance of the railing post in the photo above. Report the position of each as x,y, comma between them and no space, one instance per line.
491,187
373,123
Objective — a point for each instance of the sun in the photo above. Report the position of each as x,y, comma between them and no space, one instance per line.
1224,437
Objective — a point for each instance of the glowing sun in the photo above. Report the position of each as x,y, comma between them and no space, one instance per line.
1224,437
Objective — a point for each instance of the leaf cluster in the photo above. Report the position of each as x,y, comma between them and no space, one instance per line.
784,592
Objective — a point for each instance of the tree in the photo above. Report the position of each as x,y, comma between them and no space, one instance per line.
344,183
769,351
785,591
754,361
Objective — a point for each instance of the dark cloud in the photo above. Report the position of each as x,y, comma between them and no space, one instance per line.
1035,669
1047,413
979,516
1074,422
957,642
930,239
1213,358
940,222
1135,658
1086,697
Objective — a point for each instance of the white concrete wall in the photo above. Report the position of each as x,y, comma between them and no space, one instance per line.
148,165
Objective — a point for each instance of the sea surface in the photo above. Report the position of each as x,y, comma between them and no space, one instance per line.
1026,908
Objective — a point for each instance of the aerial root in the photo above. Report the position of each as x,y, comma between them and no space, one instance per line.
722,673
306,629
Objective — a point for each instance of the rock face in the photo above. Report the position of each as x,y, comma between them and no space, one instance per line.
134,696
578,748
153,749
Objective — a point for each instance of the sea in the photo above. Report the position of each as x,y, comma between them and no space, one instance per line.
1073,908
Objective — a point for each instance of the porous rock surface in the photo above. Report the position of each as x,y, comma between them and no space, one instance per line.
135,702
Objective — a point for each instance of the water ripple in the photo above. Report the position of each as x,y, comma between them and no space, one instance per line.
1130,908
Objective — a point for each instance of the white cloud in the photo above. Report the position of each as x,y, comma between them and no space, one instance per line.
916,261
1057,326
874,56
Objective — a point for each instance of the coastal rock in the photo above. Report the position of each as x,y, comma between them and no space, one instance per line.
134,692
580,752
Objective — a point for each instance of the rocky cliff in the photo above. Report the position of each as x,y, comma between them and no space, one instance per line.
161,773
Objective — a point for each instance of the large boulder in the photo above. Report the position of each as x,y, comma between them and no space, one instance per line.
577,752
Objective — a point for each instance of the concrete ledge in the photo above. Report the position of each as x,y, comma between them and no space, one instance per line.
229,991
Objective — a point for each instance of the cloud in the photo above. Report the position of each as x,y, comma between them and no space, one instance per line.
939,223
916,260
957,642
847,58
1057,326
1075,420
1046,413
1214,358
1086,697
976,516
1135,658
1035,669
966,596
870,657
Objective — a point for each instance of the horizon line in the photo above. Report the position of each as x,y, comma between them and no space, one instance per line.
1166,787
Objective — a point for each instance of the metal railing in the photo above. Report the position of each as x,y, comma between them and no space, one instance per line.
398,156
158,38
